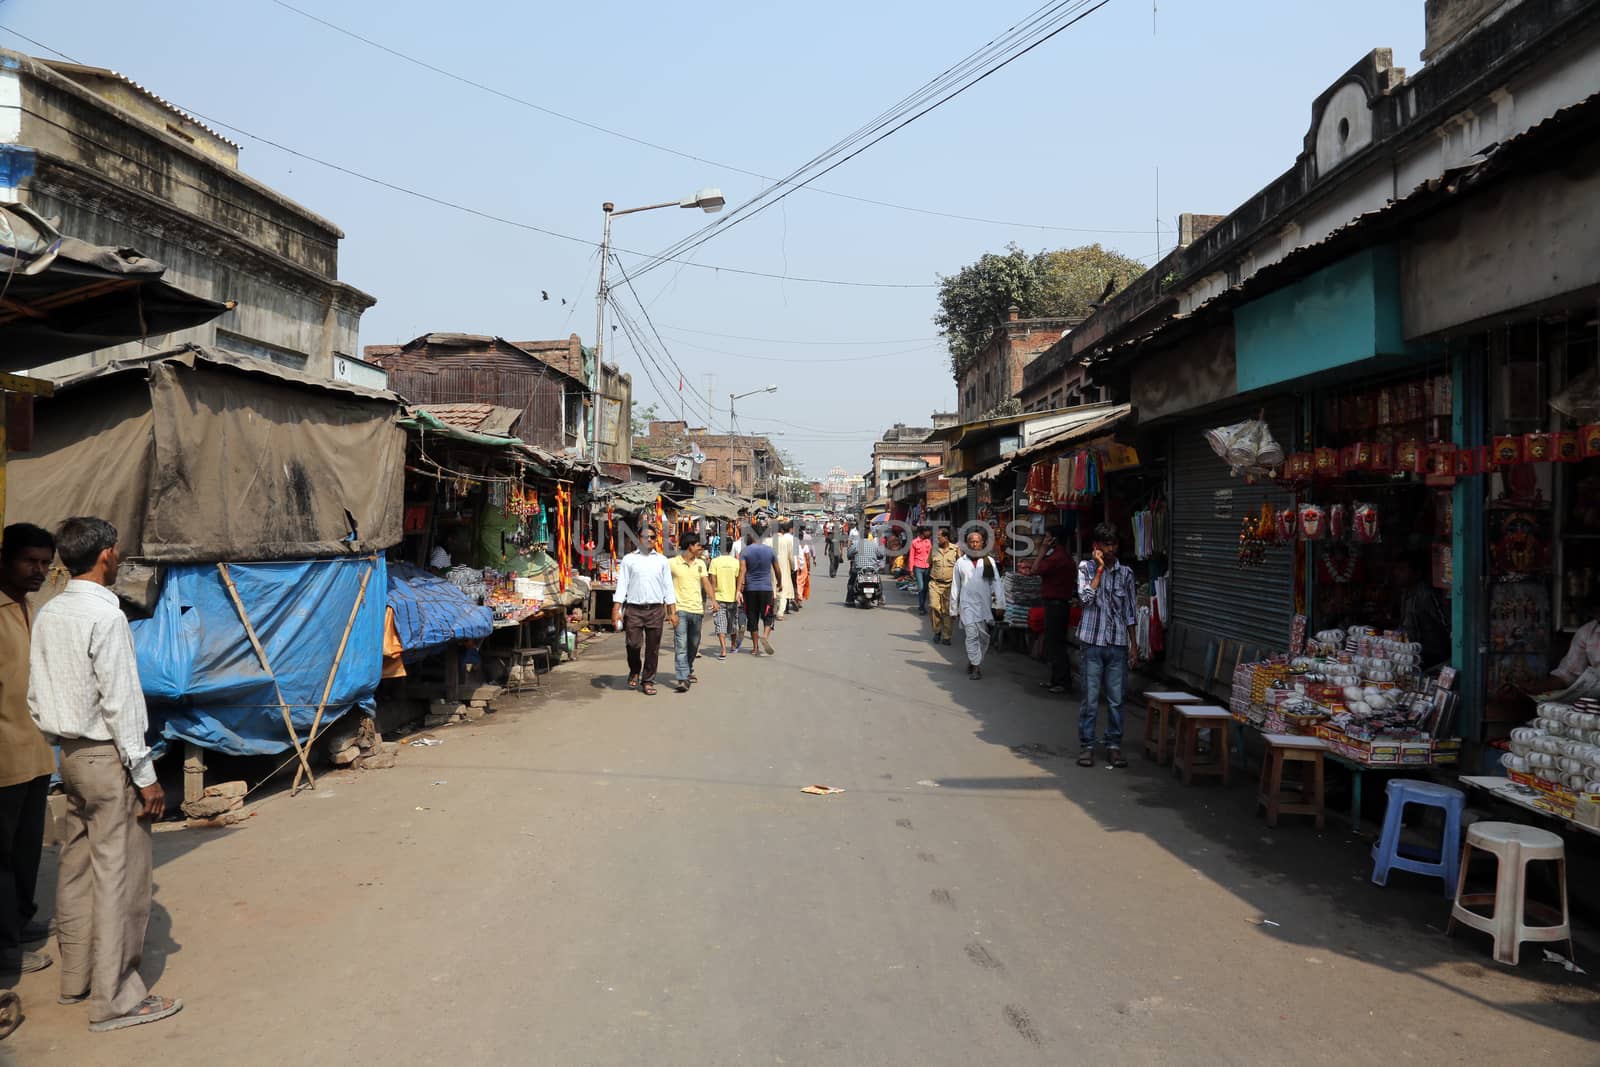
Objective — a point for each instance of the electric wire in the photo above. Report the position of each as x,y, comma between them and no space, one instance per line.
1015,44
488,215
656,146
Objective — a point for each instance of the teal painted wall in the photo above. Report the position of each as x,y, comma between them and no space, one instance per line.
1342,314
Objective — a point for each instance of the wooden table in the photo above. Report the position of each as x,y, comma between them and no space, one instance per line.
1512,793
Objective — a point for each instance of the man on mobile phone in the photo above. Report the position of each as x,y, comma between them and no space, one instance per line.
1107,633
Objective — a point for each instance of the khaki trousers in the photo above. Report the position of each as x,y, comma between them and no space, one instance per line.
939,604
103,886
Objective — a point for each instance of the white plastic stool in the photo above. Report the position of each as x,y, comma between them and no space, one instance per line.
1514,847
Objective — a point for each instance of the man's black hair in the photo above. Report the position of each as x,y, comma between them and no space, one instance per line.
1105,534
80,540
21,535
688,540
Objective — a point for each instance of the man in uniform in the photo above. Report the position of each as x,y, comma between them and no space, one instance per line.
941,569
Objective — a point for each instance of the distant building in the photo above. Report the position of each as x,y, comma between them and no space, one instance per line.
743,464
989,383
901,451
118,165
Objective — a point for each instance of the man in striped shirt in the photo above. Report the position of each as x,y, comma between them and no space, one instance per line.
83,691
1107,634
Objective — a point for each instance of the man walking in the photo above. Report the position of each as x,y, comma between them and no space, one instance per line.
643,602
835,537
1058,586
783,545
26,761
758,578
1107,634
941,571
691,590
83,691
724,572
918,557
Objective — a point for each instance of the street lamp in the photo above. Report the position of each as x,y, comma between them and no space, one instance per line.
710,201
734,430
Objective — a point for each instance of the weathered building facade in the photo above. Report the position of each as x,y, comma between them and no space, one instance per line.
743,464
458,368
119,166
989,383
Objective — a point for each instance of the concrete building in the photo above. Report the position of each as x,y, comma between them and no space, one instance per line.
118,165
902,450
743,464
989,383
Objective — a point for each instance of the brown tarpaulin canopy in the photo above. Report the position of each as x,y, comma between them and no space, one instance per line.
197,456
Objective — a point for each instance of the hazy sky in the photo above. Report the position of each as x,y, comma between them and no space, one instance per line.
1218,98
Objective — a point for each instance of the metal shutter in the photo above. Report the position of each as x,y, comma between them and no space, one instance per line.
1212,596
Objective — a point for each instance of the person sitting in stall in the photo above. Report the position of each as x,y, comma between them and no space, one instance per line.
1421,611
1582,655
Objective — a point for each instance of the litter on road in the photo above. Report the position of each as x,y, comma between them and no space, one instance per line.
821,790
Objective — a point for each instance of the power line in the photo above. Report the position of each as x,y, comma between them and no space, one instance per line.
490,216
808,359
791,341
1011,48
656,146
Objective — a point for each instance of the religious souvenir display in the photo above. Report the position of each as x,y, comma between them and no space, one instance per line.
1313,522
1519,617
1567,449
1338,522
1284,526
1364,523
1519,541
1506,451
1538,447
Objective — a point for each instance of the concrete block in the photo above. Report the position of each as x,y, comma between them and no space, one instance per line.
210,807
227,789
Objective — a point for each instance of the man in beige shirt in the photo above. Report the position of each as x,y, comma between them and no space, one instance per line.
26,761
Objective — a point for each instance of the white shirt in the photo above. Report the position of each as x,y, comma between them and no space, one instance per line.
1584,653
974,594
644,578
83,676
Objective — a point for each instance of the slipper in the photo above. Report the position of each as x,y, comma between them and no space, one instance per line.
766,643
70,999
694,678
1114,758
150,1010
1086,758
633,681
648,688
681,687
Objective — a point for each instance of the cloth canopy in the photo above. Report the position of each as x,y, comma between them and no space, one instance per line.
63,297
430,612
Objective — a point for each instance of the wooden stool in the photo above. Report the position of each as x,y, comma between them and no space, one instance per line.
1192,718
1307,797
529,659
1158,722
1514,846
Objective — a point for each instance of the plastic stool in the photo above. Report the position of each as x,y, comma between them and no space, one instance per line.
1514,847
1441,863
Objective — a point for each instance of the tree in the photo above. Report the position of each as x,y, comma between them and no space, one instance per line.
639,426
974,300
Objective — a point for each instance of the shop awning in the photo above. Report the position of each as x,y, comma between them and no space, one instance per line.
1061,440
63,297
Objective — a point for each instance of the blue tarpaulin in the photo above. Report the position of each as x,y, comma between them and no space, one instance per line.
202,679
429,611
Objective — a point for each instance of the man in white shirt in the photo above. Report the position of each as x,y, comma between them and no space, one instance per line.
83,692
644,602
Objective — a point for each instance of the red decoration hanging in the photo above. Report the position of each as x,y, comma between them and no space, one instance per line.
1506,451
1411,457
1589,441
1567,449
1538,447
1326,461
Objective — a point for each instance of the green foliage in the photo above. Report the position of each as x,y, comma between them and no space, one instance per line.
640,423
1060,283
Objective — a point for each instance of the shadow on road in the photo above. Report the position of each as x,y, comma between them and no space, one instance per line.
1217,832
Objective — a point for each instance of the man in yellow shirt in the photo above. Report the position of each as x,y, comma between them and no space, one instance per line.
693,588
724,572
26,761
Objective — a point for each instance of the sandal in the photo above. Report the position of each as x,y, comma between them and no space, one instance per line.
150,1010
647,688
633,681
1086,758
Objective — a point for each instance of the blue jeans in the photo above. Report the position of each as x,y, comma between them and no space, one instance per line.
1102,665
922,590
686,643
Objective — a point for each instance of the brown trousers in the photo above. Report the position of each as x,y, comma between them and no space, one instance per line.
103,886
642,624
944,625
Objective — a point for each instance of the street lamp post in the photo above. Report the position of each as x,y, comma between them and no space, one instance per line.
733,429
708,200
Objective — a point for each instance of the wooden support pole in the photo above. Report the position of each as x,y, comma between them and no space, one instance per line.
261,654
338,657
194,772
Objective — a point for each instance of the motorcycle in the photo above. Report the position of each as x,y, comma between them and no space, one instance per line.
867,591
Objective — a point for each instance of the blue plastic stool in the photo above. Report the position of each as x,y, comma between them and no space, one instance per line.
1443,862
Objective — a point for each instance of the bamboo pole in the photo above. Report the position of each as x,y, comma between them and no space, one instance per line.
338,657
261,654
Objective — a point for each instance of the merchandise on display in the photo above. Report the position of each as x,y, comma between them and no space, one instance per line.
1557,754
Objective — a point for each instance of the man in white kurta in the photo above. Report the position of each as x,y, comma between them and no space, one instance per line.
783,545
977,597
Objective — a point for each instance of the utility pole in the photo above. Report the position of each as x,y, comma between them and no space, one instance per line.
593,444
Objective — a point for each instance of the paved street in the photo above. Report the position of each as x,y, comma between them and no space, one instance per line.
596,877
